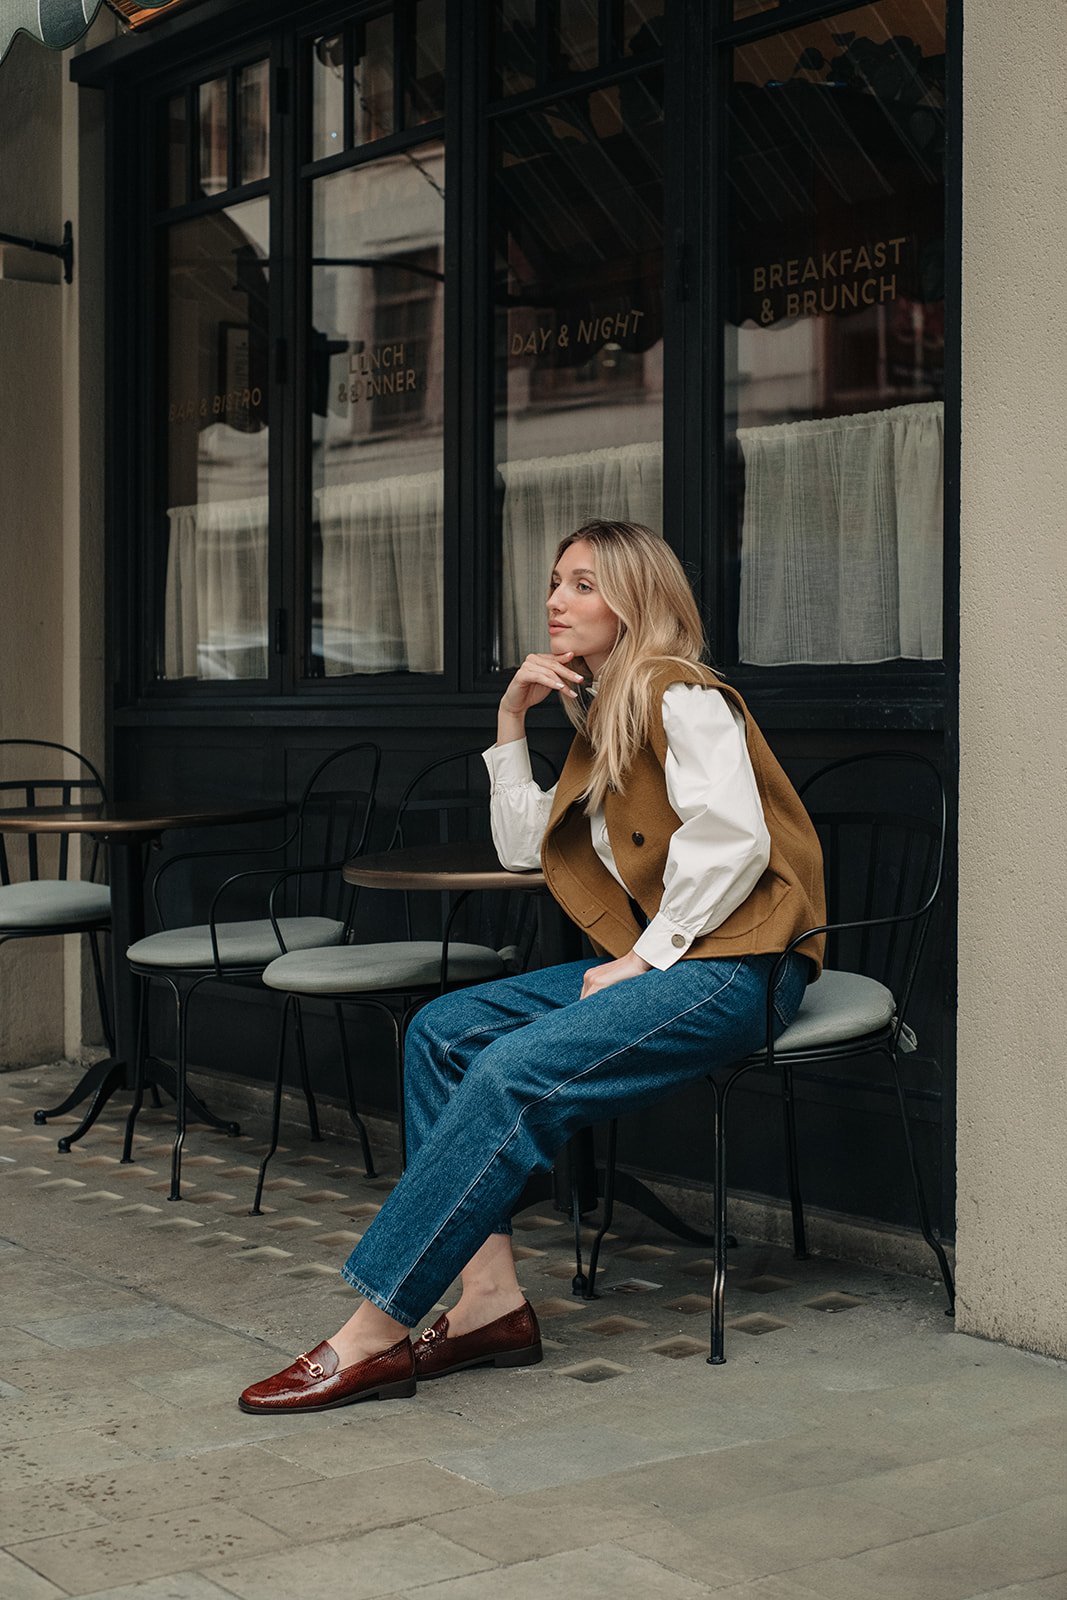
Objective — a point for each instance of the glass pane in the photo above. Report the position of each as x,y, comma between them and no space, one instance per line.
213,113
327,96
749,8
253,111
172,151
577,203
372,78
214,363
578,35
835,336
377,401
425,97
515,46
642,27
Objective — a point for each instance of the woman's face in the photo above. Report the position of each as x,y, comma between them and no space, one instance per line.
579,618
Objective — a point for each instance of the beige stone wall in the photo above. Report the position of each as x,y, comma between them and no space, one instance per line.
51,489
1012,1128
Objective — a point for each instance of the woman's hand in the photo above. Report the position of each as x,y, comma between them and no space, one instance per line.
630,965
536,679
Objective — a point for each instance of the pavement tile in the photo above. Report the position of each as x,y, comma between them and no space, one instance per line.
173,1586
85,1330
228,1474
35,1509
60,1455
94,1407
565,1451
147,1546
602,1572
529,1526
385,1561
768,1534
19,1582
1019,1546
1051,1588
381,1434
946,1491
410,1492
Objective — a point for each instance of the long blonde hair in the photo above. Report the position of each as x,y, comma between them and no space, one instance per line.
644,583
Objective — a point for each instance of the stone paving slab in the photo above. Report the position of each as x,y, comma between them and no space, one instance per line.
857,1448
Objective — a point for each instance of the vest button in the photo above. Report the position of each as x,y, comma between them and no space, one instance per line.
678,941
638,838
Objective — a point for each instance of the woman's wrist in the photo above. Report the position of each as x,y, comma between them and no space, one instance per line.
510,725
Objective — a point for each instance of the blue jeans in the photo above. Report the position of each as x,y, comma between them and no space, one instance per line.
499,1076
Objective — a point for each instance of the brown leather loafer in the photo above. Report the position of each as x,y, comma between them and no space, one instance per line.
510,1341
316,1381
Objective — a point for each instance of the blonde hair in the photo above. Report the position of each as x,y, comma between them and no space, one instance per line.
644,583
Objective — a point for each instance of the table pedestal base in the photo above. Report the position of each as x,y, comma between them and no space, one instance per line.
106,1078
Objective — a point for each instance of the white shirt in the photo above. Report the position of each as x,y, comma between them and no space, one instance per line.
714,860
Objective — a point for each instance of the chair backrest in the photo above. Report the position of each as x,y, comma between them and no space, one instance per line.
333,824
884,859
447,802
59,776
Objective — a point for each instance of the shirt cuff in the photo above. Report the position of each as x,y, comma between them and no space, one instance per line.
509,764
663,943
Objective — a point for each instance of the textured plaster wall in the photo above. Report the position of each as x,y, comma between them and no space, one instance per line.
31,497
1012,1128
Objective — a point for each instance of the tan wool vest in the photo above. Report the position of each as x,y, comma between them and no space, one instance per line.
788,899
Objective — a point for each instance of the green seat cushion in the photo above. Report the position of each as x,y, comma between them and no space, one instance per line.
241,944
53,903
367,968
836,1007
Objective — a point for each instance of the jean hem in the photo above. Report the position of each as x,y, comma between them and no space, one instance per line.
382,1301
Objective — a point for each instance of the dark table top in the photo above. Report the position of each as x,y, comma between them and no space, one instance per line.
438,866
129,819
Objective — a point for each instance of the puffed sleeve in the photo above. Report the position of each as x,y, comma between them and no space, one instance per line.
518,808
720,852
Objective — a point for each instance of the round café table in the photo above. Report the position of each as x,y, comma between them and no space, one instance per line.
463,868
126,829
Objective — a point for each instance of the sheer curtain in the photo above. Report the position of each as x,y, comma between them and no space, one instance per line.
841,543
549,496
381,574
215,607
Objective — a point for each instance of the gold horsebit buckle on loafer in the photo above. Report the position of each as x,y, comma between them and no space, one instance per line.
313,1367
428,1336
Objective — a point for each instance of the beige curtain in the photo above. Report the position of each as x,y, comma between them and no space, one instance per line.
842,538
216,594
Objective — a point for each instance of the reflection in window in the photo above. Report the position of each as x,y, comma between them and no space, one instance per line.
376,424
835,336
578,204
215,362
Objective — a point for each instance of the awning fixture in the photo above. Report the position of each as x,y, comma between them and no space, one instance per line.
61,23
64,251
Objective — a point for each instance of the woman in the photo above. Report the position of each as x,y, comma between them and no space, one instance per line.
674,839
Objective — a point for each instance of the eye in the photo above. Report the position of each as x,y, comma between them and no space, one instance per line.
585,588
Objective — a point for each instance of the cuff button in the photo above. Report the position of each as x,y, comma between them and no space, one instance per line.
678,941
638,838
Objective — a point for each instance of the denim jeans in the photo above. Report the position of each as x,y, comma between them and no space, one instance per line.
499,1076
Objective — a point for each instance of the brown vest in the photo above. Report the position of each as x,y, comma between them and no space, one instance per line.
788,899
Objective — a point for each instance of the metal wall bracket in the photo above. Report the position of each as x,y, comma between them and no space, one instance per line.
64,251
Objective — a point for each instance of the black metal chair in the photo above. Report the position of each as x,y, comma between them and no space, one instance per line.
40,906
884,870
446,802
332,824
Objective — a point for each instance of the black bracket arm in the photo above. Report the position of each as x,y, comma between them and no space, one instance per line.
64,251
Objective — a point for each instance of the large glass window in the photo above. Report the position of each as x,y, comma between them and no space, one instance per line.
577,203
834,228
213,343
377,415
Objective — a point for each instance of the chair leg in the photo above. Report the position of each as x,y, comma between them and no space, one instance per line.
101,995
182,1017
917,1185
789,1117
722,1238
138,1070
353,1112
276,1110
305,1080
609,1207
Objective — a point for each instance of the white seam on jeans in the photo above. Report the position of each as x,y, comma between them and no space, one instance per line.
540,1101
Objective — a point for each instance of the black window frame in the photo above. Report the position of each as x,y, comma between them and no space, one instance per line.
137,73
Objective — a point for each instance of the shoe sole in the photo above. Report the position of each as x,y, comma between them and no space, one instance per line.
388,1391
529,1357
